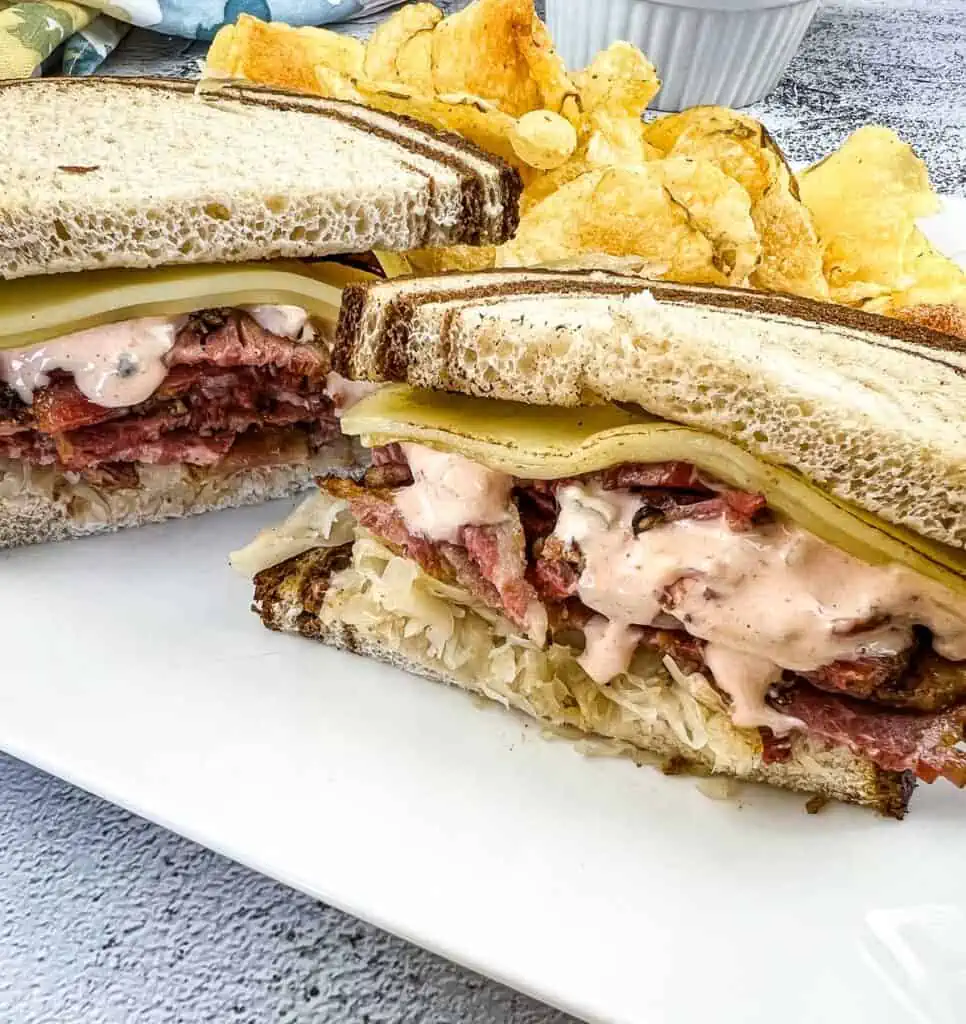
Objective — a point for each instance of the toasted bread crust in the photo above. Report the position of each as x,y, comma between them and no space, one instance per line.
866,406
444,190
289,597
931,328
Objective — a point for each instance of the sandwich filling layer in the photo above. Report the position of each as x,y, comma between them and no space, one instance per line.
219,389
795,635
611,534
335,582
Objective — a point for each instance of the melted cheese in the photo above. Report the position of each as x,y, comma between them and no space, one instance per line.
449,492
767,599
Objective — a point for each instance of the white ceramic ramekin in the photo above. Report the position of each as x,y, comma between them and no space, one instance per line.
727,52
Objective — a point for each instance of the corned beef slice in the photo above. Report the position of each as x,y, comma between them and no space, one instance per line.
228,377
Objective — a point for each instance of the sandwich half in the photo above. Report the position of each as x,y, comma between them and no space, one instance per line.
721,528
165,320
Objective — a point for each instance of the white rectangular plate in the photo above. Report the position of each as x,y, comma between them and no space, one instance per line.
134,668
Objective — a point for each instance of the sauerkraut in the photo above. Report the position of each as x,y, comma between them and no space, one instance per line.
162,491
442,627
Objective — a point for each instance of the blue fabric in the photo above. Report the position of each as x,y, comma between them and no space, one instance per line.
201,19
85,51
87,48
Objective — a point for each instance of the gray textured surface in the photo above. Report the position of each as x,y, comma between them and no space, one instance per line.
896,62
107,919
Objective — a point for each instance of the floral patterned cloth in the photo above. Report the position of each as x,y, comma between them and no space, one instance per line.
61,36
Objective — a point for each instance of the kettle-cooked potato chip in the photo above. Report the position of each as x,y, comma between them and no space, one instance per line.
938,283
540,186
791,254
720,209
455,257
730,140
549,71
865,199
224,54
391,36
272,54
473,118
620,79
613,94
414,62
618,141
550,230
654,212
335,85
543,139
481,50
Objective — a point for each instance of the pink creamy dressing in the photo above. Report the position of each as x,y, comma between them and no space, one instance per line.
114,365
767,599
610,646
121,364
346,393
449,492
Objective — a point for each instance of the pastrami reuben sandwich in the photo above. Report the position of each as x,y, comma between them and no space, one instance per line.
162,349
724,528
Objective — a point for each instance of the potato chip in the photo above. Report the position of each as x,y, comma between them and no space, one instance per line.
550,230
473,118
456,257
540,186
720,209
543,139
482,50
549,71
791,255
933,271
632,213
615,213
865,199
391,36
618,141
222,56
653,213
937,281
414,62
619,79
335,85
786,175
732,141
279,55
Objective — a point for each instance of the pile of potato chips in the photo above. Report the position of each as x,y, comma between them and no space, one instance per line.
703,196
